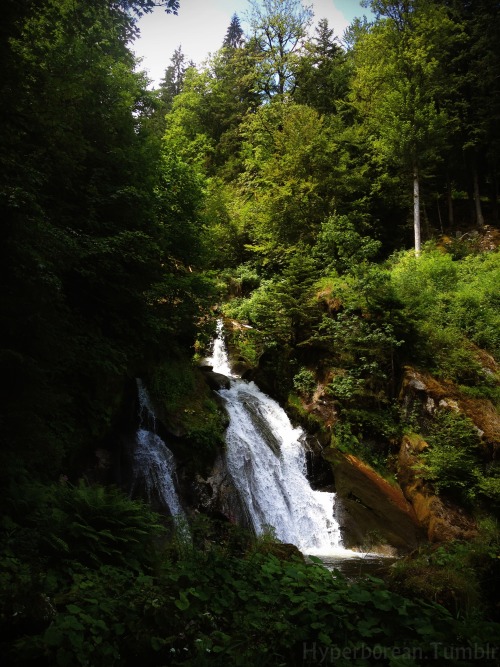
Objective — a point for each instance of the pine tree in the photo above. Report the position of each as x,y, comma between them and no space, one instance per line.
322,77
234,34
171,84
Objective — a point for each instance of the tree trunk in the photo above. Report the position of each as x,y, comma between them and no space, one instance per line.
416,210
494,197
477,196
439,215
449,196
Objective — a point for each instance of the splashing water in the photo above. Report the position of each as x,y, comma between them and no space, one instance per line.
266,461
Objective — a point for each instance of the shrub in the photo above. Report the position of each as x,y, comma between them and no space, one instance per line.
451,462
340,247
211,602
305,382
450,304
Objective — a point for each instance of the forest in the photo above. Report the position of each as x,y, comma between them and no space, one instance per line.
335,203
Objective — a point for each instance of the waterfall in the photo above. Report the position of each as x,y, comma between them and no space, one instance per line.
153,462
219,359
266,461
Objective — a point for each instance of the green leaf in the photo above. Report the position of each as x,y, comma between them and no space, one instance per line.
183,602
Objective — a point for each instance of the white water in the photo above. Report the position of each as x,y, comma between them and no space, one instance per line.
219,359
266,461
154,463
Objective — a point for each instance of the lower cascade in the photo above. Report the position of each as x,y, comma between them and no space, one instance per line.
266,461
153,462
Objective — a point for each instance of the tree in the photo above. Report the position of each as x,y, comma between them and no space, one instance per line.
234,34
82,252
171,84
474,100
140,7
204,119
397,86
278,28
322,76
280,181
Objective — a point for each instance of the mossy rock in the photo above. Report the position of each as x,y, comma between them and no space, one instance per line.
192,419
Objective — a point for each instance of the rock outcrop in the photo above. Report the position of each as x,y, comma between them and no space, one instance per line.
373,514
422,394
215,380
441,520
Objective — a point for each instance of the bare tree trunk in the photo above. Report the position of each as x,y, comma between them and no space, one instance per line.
477,201
477,195
494,197
416,210
449,196
439,215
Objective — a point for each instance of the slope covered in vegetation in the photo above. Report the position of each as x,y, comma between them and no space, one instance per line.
338,198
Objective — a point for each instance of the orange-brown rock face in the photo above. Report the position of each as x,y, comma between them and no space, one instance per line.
370,510
441,520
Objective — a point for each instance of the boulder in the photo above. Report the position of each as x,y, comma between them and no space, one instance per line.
216,381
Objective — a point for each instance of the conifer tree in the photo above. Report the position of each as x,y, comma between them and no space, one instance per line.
171,84
398,84
234,34
322,78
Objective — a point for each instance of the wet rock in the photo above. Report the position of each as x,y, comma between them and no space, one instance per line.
319,472
261,425
216,496
216,381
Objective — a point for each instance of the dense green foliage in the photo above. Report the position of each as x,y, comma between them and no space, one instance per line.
276,180
87,579
97,242
460,575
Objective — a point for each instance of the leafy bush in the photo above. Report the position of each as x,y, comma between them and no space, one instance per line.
185,402
367,435
463,576
477,304
489,488
339,245
450,304
216,601
305,382
265,309
451,462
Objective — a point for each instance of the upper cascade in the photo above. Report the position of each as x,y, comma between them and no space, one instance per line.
219,359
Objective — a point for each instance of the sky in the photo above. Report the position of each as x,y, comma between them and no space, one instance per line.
201,26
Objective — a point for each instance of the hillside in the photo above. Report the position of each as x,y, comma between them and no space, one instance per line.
336,205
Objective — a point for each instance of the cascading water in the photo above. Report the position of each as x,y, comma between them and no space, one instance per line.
219,359
154,463
266,461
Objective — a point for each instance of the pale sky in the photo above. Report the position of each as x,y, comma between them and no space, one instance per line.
201,26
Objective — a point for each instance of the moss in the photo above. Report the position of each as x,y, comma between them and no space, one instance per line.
299,413
189,411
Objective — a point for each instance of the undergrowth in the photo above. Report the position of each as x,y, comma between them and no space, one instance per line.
117,592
